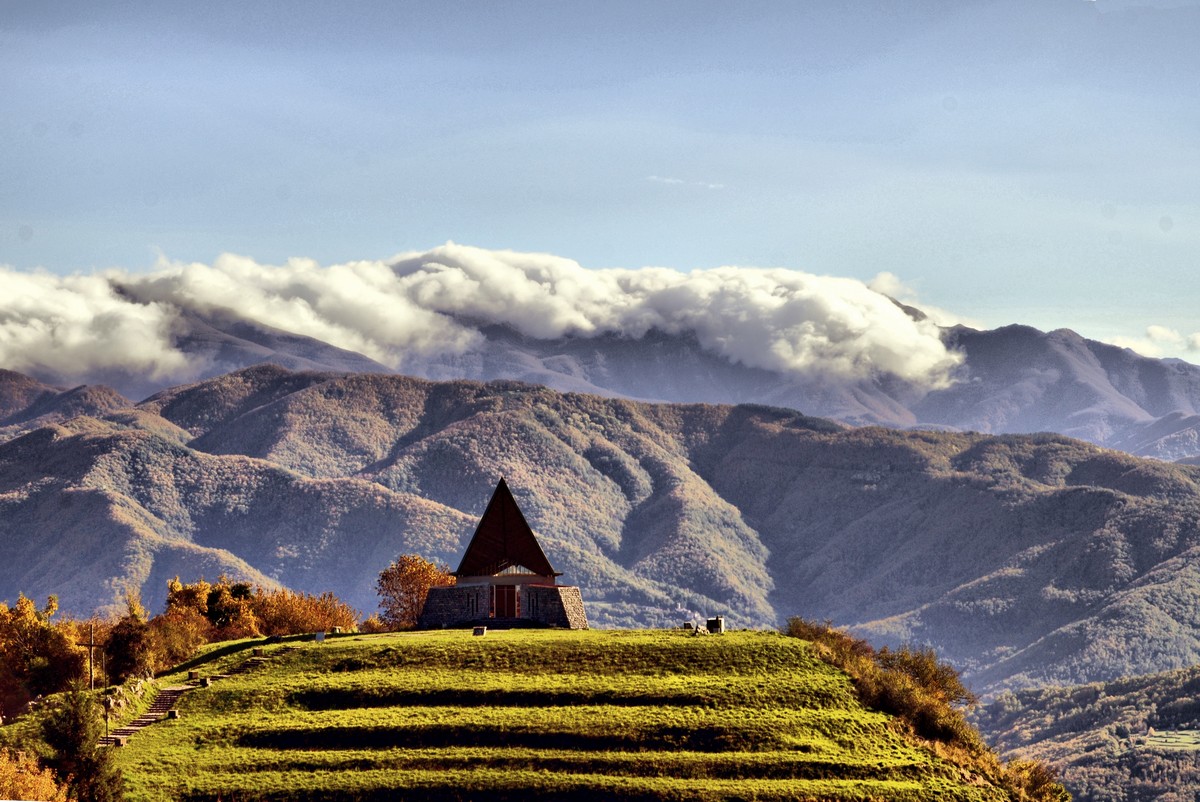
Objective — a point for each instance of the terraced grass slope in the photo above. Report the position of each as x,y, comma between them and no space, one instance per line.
535,713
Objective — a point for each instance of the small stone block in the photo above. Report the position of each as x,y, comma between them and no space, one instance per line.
258,651
193,675
120,740
172,713
205,682
479,631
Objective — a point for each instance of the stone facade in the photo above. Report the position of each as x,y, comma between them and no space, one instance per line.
555,605
471,604
454,606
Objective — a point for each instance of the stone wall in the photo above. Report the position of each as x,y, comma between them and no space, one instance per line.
454,605
555,606
468,605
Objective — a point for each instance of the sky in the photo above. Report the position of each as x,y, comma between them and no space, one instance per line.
1011,162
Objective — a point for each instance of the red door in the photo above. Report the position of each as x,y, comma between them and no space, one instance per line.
506,601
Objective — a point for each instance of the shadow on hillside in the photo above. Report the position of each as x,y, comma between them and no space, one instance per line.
737,766
233,648
353,698
447,792
700,739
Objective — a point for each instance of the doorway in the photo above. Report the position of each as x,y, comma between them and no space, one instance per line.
506,601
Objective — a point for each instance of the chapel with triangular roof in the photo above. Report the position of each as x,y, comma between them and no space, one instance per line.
504,578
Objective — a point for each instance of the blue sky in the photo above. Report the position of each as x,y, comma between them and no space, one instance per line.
1032,162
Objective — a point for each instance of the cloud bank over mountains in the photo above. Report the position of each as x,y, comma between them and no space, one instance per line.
428,304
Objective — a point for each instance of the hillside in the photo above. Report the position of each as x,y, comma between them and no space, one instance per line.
521,714
1024,560
1015,379
1132,740
26,404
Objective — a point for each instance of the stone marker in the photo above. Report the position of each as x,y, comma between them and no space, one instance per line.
479,631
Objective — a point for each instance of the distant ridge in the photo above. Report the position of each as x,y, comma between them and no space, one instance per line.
1014,379
1023,559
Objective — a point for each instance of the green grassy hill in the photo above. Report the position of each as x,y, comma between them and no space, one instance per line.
535,713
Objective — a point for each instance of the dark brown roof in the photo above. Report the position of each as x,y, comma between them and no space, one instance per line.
503,539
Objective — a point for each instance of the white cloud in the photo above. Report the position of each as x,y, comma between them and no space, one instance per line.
1158,341
777,319
890,285
679,182
78,325
425,305
1163,335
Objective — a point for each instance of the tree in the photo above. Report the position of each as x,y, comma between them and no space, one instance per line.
22,778
230,611
72,730
177,634
403,586
130,647
287,612
1037,781
37,658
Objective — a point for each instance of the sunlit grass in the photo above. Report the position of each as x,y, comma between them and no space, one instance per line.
553,714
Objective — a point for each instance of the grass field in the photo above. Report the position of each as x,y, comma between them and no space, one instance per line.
1184,740
533,713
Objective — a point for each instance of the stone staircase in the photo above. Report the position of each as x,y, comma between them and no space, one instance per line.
159,709
164,702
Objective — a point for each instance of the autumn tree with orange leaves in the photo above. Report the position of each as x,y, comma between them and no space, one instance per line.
403,586
22,778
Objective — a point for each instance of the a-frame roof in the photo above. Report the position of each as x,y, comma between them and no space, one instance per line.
502,540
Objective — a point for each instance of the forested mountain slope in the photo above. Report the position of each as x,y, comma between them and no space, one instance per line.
1131,740
1024,559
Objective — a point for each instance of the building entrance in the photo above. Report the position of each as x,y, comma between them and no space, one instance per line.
506,601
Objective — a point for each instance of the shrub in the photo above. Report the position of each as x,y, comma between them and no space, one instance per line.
907,683
286,612
373,625
1037,781
22,778
72,731
922,693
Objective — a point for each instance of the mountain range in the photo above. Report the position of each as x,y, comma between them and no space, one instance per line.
1014,379
1023,559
